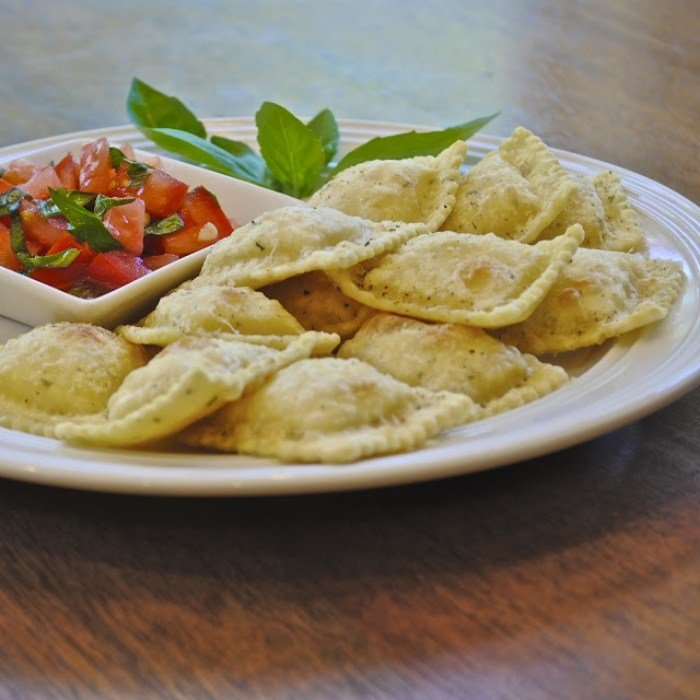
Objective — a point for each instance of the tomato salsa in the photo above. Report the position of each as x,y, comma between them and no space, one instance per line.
92,224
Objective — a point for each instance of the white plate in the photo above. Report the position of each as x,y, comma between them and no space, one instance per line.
630,379
34,303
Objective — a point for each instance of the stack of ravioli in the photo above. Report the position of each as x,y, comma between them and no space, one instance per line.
404,299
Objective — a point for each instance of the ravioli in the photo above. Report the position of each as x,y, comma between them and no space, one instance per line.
61,371
290,241
602,208
513,192
476,280
211,307
330,410
316,301
601,295
417,190
187,380
447,357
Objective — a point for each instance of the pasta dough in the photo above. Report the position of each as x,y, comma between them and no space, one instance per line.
330,410
513,192
447,357
290,241
60,371
419,190
477,280
601,295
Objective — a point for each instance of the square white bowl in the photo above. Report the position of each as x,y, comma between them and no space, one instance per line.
34,303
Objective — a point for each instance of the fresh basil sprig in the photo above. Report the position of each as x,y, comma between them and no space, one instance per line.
85,225
296,158
103,204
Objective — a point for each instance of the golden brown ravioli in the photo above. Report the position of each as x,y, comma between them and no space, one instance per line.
293,240
330,410
600,295
514,192
419,190
211,306
448,357
316,301
476,280
187,380
602,208
61,371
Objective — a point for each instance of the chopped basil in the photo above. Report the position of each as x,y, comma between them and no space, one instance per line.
9,201
18,242
102,203
84,225
171,224
48,207
117,157
55,261
138,173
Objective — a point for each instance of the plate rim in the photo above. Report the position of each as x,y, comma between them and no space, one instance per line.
133,472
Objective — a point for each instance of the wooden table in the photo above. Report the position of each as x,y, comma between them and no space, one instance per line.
572,576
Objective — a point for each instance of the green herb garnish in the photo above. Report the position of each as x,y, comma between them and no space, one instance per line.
296,158
85,225
10,200
171,224
48,207
103,204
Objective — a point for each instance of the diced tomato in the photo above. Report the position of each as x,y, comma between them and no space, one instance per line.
200,206
19,171
186,241
96,171
163,194
128,150
7,256
127,223
38,185
37,229
120,185
155,262
65,277
68,172
115,269
5,185
152,245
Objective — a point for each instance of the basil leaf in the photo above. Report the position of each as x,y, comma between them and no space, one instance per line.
171,224
202,152
138,173
57,260
9,200
117,157
150,108
292,151
47,207
411,144
85,225
247,155
325,127
18,242
103,204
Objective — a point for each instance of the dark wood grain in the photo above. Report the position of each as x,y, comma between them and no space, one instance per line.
572,576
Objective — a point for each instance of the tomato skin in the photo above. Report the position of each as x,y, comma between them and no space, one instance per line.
5,185
155,262
162,193
7,256
19,171
127,224
115,269
96,171
37,229
68,172
38,185
200,206
65,277
184,242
